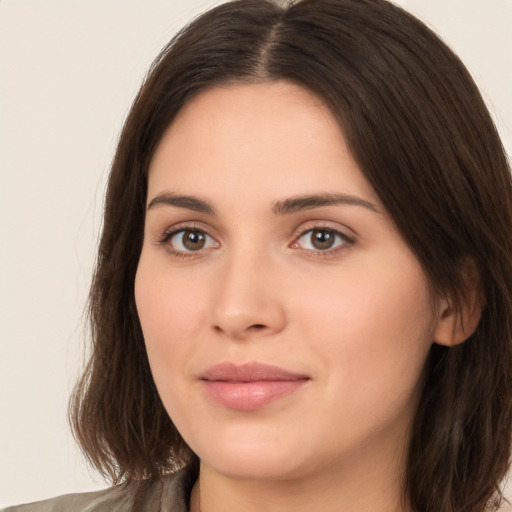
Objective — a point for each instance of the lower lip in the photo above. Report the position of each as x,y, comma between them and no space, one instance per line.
249,396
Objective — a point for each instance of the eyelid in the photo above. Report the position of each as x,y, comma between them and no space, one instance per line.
344,231
162,234
164,238
349,239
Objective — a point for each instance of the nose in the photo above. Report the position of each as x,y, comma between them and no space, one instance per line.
248,301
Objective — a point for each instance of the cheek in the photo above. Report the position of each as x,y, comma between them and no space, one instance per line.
392,304
167,301
373,329
170,315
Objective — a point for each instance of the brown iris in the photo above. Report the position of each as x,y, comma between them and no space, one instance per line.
193,240
322,239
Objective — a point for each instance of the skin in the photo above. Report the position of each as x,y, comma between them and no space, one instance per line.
357,319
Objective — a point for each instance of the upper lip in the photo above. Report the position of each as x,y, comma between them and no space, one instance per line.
248,372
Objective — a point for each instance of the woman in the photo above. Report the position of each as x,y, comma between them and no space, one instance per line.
303,290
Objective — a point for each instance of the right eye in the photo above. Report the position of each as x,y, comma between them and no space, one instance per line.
186,241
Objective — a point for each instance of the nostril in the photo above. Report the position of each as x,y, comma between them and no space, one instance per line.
240,332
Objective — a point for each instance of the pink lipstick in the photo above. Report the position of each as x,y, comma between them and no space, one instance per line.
250,386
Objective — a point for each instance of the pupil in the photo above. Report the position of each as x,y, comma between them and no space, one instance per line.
193,240
322,239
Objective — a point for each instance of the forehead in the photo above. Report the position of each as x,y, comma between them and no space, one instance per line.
269,137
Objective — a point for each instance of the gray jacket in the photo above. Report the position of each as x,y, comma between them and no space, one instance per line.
166,494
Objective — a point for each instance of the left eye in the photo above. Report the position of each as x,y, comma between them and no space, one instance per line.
190,240
321,239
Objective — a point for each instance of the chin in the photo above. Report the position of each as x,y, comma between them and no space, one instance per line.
254,468
252,457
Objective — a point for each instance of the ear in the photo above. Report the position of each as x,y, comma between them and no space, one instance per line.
455,325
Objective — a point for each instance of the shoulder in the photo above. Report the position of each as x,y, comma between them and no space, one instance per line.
87,501
166,494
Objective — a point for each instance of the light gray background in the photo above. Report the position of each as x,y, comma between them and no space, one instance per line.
69,70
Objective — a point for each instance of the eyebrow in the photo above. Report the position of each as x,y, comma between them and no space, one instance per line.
295,204
287,206
187,202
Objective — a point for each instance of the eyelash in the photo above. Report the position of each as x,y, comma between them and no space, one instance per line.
168,235
347,241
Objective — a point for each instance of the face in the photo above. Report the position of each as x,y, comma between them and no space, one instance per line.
286,322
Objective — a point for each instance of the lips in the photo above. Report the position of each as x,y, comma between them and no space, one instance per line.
250,386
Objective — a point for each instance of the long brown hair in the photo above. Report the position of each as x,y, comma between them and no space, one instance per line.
420,132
